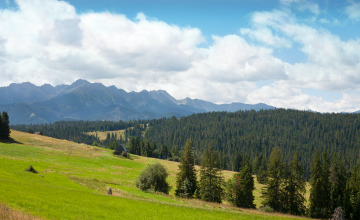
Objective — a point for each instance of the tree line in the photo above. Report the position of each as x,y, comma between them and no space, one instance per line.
255,133
331,186
76,131
4,126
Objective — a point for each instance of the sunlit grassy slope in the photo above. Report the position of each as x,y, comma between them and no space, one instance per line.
102,134
73,179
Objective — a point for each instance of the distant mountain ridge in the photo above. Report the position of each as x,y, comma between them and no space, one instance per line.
82,100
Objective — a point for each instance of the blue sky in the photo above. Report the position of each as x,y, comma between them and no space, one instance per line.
301,54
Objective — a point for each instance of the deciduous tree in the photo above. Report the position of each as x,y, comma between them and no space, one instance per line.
153,178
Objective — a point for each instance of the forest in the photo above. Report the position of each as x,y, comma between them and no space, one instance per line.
233,135
284,148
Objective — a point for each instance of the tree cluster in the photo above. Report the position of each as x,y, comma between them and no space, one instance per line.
4,126
211,186
333,187
285,185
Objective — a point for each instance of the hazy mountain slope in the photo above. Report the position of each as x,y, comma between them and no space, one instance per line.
82,100
28,93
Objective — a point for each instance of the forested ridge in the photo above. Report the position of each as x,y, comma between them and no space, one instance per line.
233,134
255,132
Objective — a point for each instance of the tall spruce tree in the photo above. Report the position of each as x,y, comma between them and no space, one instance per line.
239,189
4,126
296,188
338,182
273,193
261,172
326,183
354,192
0,127
318,204
211,180
186,182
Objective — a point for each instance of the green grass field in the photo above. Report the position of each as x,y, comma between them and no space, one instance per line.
73,179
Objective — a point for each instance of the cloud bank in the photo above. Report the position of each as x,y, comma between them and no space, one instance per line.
47,41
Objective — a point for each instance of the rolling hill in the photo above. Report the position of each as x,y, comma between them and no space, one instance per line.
73,179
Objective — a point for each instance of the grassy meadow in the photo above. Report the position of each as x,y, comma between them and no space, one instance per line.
73,180
102,134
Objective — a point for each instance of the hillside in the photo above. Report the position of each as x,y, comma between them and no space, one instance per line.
232,134
82,100
73,179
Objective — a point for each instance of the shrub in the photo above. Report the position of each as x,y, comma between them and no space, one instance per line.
124,154
153,178
266,209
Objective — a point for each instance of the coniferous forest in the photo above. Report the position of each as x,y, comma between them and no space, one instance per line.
284,148
233,135
257,133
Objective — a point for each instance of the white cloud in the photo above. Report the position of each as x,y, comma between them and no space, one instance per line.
49,37
283,95
49,42
265,35
232,59
302,5
353,10
332,64
98,46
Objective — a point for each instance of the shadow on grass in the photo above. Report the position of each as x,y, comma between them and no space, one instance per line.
9,141
129,157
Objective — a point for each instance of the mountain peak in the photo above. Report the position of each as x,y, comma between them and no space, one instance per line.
80,82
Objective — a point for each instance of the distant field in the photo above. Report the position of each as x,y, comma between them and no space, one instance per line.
73,179
102,134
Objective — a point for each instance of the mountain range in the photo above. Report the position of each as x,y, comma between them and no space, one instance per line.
30,104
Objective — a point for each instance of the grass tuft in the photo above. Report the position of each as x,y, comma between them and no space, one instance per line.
6,213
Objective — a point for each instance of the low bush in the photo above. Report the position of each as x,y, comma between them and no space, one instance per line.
153,178
267,209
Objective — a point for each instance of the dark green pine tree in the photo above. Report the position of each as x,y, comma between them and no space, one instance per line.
326,183
296,188
338,182
5,128
211,180
164,151
318,204
240,189
186,182
354,192
261,172
273,192
0,127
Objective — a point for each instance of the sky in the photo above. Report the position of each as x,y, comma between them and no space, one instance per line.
298,54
